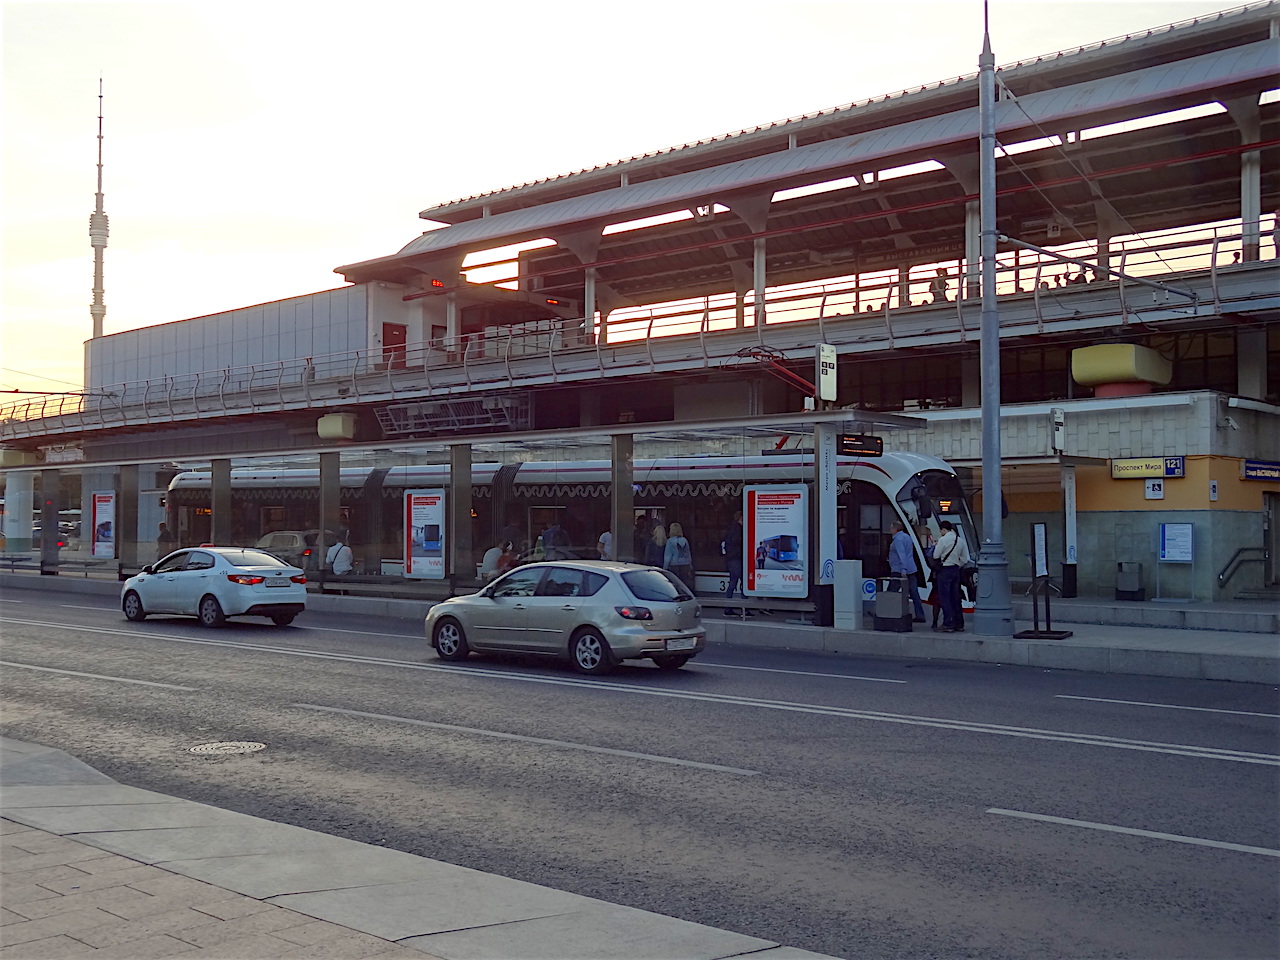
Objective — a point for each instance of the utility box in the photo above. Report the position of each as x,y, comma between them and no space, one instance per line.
848,595
893,606
1129,581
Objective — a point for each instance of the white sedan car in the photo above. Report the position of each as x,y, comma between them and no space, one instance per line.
214,583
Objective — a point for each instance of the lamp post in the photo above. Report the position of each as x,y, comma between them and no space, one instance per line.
993,608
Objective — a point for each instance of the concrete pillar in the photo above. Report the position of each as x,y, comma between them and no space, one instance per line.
972,286
452,329
462,565
904,286
622,507
50,505
127,534
221,524
588,304
1251,363
739,308
1248,118
970,381
19,494
330,507
758,275
1069,539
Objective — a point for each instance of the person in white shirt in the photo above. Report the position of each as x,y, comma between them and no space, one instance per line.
339,558
952,553
604,546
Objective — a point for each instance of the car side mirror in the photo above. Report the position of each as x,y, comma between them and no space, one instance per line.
147,569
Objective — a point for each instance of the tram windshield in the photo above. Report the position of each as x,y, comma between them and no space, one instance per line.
935,495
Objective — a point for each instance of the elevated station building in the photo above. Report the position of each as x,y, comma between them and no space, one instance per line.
1140,376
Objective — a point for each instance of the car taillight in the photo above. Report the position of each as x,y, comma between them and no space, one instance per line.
244,579
298,579
306,552
635,613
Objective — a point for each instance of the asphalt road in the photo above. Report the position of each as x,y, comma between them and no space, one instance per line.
858,807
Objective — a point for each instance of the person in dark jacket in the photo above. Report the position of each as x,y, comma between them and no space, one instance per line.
732,547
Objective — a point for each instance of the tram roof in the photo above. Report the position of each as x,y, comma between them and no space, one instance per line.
1216,58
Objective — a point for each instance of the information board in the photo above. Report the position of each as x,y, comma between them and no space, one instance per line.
775,540
1176,542
424,534
104,523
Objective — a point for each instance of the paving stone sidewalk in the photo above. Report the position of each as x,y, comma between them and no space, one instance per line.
63,898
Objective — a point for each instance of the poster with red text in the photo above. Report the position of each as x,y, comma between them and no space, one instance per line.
424,534
775,540
104,523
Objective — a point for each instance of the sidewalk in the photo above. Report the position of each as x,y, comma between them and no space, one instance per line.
92,868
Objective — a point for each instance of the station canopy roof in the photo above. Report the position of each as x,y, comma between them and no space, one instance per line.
1187,170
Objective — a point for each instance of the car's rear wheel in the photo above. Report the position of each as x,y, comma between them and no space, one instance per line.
210,612
450,641
132,606
590,653
283,619
674,662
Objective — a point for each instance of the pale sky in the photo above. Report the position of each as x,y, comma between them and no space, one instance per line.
250,148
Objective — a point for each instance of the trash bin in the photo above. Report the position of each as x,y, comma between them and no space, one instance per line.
893,605
1129,581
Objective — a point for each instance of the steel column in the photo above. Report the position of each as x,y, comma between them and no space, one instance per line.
221,526
622,508
461,552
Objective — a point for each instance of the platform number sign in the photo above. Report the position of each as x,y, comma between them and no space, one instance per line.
826,371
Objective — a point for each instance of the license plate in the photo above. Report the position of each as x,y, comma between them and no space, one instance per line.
278,583
682,643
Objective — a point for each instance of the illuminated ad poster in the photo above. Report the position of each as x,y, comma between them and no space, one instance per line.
424,534
104,524
775,540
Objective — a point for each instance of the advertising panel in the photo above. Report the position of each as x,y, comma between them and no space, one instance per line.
775,540
104,523
424,534
1261,470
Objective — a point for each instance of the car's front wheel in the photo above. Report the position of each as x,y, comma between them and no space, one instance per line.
590,653
210,612
450,641
132,606
674,662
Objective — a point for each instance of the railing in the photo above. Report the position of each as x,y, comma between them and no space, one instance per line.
878,304
1239,559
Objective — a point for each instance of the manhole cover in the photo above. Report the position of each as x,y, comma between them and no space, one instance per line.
228,746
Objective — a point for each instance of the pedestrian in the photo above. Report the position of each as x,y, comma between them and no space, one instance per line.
927,544
655,550
604,545
938,287
640,538
902,561
510,558
339,558
489,563
513,533
166,542
678,556
952,554
555,542
731,547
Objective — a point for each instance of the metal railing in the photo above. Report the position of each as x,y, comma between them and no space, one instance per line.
1239,559
873,306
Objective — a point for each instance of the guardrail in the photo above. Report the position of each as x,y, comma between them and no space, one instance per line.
1239,559
628,338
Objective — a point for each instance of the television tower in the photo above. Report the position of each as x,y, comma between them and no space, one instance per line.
98,236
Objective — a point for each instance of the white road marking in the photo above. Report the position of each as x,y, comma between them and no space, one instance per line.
7,600
1168,706
94,676
76,606
365,633
796,673
540,740
1176,838
967,726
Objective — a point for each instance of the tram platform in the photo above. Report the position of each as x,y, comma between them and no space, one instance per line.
1235,640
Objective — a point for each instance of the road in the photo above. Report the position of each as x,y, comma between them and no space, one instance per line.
857,807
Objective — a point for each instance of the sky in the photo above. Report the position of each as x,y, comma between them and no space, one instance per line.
251,148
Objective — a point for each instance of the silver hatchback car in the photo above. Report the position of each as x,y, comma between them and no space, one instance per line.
593,612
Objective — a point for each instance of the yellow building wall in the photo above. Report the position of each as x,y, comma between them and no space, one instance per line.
1097,491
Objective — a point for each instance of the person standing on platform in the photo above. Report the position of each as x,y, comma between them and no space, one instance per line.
952,553
166,542
655,549
732,547
604,545
678,556
902,563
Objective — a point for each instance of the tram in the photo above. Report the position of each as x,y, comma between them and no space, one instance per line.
519,500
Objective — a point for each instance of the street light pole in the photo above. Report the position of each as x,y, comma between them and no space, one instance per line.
993,608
